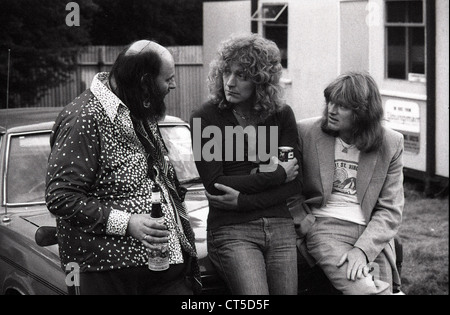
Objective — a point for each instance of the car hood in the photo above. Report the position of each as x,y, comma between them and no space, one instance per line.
196,204
197,208
41,219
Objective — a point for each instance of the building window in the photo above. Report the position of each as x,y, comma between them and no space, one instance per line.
405,39
274,22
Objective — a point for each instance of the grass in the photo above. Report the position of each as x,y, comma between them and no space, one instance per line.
425,237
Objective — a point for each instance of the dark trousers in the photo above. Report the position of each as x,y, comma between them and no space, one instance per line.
135,281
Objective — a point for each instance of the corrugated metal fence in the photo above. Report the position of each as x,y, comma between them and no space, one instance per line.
94,59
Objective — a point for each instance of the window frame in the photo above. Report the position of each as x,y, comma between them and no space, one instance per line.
406,26
258,12
267,22
6,168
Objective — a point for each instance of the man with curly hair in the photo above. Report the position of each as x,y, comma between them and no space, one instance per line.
251,235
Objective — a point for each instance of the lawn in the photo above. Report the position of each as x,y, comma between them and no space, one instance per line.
424,235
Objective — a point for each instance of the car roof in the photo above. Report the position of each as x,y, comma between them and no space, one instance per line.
42,118
39,118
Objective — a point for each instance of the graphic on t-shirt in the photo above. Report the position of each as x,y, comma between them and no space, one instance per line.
345,177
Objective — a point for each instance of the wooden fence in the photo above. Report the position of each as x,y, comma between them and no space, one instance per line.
93,59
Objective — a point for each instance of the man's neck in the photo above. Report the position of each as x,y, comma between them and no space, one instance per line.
244,108
347,138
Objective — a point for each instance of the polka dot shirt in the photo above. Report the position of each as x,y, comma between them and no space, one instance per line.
97,178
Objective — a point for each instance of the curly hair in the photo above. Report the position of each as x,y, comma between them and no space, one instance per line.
359,92
260,61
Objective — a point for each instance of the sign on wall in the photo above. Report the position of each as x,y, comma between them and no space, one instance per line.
404,116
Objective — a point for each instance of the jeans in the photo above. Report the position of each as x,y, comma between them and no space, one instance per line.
328,239
257,257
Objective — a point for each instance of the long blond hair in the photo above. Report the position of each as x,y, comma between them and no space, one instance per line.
359,92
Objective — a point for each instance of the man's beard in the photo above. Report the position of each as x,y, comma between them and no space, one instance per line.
156,110
153,106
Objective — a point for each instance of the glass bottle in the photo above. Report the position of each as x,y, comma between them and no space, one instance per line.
158,259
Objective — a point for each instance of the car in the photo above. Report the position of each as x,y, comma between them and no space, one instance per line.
29,258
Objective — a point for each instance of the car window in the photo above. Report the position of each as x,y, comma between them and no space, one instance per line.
178,143
27,168
28,156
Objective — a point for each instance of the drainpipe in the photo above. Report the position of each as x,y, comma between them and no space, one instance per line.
431,94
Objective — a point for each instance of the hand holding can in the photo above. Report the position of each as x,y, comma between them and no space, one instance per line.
285,153
288,162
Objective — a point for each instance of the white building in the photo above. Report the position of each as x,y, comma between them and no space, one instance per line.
402,43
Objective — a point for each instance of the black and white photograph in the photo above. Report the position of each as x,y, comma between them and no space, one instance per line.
228,154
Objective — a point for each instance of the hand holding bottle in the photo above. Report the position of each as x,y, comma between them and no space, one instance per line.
149,230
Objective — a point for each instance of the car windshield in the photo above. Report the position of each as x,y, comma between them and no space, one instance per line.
28,155
178,143
27,167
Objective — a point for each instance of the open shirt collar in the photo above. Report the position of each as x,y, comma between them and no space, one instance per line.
109,100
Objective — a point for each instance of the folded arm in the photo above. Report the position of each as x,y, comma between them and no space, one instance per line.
212,172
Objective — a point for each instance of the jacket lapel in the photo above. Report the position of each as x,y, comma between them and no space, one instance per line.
325,154
366,168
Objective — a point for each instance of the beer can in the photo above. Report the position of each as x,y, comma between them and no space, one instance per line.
285,153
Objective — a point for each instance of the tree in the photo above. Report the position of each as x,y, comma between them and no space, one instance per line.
43,47
169,22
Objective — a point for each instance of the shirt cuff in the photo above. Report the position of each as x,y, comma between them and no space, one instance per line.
370,254
117,222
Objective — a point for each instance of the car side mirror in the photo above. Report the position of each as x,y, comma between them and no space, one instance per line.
46,236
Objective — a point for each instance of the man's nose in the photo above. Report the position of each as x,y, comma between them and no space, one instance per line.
231,80
332,108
